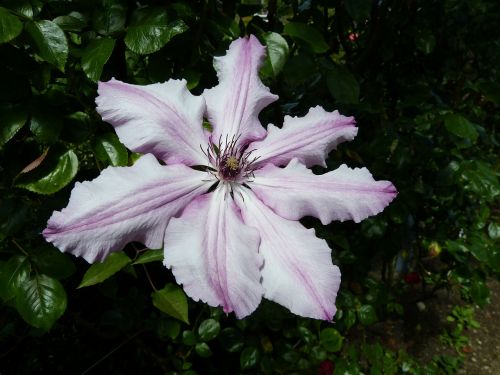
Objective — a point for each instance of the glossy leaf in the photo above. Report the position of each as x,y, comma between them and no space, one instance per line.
50,42
150,30
41,300
75,21
203,350
172,301
249,358
10,26
308,33
209,329
331,339
55,172
150,256
277,54
231,339
109,19
95,56
13,274
367,315
12,119
460,126
98,272
108,148
50,261
46,126
343,85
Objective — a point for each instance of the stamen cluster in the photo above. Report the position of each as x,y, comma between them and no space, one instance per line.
231,162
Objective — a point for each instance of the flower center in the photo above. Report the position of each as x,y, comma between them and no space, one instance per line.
231,162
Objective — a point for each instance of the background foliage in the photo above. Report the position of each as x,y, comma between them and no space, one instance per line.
421,77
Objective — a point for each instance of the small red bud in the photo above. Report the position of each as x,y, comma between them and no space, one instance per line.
412,278
326,367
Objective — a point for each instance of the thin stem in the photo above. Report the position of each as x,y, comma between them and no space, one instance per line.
20,248
149,278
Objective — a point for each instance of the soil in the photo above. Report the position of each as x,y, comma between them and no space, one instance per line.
420,336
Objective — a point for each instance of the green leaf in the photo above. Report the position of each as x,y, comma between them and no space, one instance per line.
358,9
46,126
108,148
494,231
203,350
168,328
12,274
491,90
110,19
308,34
343,85
249,358
277,54
349,318
50,261
95,56
208,329
14,215
460,126
150,30
12,119
74,22
98,272
480,292
367,315
10,26
188,338
150,256
50,42
231,339
41,300
425,42
172,301
331,339
55,172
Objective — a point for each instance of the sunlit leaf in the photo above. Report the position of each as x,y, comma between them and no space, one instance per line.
50,42
98,272
172,301
55,172
95,56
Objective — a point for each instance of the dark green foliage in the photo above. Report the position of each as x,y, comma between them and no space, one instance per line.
422,79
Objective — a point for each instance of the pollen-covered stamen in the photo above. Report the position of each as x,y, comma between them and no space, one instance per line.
232,163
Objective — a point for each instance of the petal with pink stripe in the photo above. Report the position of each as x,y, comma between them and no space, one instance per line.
298,272
233,105
122,205
309,138
163,119
343,194
214,255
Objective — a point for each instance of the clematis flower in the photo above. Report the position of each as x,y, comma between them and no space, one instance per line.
230,230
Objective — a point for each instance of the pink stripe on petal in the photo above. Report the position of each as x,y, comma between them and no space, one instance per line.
309,138
214,255
234,104
163,119
298,272
123,205
343,194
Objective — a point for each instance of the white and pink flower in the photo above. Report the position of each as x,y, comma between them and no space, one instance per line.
230,230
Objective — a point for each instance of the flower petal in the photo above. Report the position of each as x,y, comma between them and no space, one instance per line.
214,255
123,205
343,194
234,104
298,272
309,138
163,119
